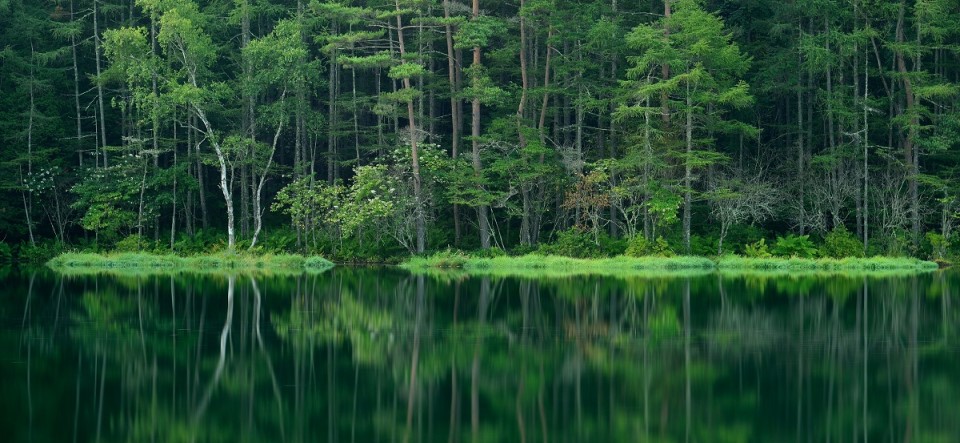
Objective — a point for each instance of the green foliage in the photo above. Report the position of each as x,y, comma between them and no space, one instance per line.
6,253
477,32
639,246
824,264
706,244
937,245
406,70
573,242
130,243
794,246
840,243
38,253
757,250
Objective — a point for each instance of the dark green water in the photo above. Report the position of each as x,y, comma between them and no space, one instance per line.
367,355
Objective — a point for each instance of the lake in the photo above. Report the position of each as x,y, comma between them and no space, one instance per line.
381,355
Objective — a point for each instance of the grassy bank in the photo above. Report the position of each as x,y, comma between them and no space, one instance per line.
146,262
735,263
558,266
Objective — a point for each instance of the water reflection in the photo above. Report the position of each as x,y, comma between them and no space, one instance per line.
365,355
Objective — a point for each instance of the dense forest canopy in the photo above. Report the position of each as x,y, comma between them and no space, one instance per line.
370,128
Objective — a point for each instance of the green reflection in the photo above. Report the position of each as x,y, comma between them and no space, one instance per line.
379,354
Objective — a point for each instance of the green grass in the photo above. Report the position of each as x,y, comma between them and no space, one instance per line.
826,264
534,265
141,262
555,266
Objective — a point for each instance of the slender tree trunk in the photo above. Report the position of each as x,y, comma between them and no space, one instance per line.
455,108
525,237
648,151
665,70
201,182
173,213
687,175
222,160
614,222
331,112
28,196
908,145
418,194
800,132
475,136
866,154
537,217
541,126
96,51
258,192
76,89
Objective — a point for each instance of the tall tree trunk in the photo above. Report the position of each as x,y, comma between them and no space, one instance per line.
258,191
173,213
28,199
525,237
76,89
665,70
800,132
222,160
96,51
418,194
331,112
249,103
475,138
456,121
909,156
687,175
866,154
614,223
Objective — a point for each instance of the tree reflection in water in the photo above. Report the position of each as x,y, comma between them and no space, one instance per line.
367,354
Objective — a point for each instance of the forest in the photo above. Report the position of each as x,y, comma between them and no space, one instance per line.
366,130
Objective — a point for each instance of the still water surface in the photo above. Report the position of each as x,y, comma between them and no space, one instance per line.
380,355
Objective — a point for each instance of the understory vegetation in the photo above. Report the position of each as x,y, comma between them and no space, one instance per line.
534,263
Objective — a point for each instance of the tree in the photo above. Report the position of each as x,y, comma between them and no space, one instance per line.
738,198
707,69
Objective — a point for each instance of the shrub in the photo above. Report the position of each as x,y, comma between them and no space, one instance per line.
519,250
611,247
937,245
39,252
739,236
572,243
489,253
277,240
132,243
6,253
840,243
317,263
794,246
757,250
639,246
448,259
705,245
